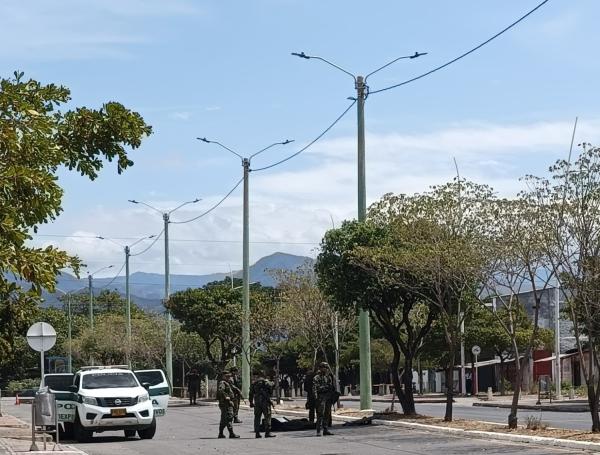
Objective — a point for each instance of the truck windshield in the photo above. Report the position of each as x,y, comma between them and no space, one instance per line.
108,380
60,382
153,377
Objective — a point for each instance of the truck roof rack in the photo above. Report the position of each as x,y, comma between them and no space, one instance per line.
104,367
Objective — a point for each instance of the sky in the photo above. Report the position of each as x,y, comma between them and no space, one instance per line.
223,70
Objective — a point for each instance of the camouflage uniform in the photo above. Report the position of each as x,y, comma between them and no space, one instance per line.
311,401
225,395
323,390
260,399
236,381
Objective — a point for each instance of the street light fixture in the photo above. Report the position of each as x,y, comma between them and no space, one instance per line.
245,260
168,331
127,249
362,91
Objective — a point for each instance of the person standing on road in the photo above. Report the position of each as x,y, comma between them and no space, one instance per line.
323,390
310,395
260,399
236,382
225,395
192,380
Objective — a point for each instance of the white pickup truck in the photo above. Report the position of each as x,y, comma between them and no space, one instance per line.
97,399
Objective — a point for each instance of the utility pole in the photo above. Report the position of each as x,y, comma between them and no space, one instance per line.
245,260
127,306
557,378
168,329
70,334
168,340
91,307
364,327
360,84
246,286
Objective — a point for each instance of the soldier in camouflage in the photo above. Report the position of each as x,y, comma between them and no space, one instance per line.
260,399
236,382
226,395
323,390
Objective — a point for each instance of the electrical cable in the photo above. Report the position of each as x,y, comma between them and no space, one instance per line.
213,207
114,278
309,144
258,242
462,55
149,246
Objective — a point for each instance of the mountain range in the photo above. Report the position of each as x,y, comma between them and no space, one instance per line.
147,289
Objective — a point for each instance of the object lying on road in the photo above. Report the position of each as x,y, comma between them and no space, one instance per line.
285,424
363,421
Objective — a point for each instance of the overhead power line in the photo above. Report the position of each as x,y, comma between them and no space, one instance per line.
465,54
310,143
213,207
114,278
149,246
258,242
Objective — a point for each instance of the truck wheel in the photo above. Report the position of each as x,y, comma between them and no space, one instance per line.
129,433
79,432
149,432
67,431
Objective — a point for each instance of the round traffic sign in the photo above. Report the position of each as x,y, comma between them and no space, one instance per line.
41,336
476,350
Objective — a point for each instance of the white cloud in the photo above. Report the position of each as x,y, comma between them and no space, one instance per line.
72,29
185,116
291,206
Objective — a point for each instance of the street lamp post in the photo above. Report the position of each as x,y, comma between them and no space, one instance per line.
245,261
168,329
127,249
69,328
91,297
362,91
91,293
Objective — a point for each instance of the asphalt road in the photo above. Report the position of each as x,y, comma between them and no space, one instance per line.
193,430
571,420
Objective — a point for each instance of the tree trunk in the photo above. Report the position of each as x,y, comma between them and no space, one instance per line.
405,397
514,406
501,385
449,390
277,388
593,403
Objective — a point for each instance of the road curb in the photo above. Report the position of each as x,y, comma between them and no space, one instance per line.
490,435
551,408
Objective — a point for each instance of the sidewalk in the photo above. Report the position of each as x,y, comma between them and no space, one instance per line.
528,402
15,438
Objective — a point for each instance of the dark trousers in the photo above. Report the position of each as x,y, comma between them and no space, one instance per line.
193,393
226,418
323,413
262,411
311,406
236,406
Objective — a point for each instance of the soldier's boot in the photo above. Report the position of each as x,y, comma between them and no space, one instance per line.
221,428
268,434
258,435
318,432
236,420
326,432
232,435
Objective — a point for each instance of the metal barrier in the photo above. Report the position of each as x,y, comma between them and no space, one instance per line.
44,414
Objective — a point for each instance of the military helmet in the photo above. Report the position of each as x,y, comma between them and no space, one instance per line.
323,365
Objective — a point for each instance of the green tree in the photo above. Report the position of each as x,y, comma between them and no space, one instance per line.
356,269
214,312
568,207
36,139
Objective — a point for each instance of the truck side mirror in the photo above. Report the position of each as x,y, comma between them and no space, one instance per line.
146,385
73,388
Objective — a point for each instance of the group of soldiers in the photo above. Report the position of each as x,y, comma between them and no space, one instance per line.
320,397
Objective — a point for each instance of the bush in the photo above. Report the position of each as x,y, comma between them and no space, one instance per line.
535,423
581,391
566,385
14,387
